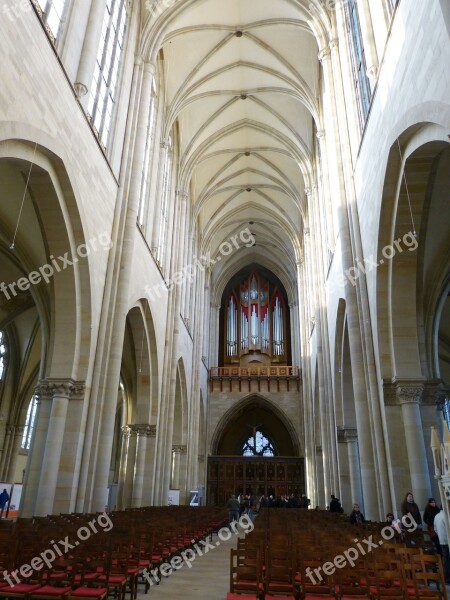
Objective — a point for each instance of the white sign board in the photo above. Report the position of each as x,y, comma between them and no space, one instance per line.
174,498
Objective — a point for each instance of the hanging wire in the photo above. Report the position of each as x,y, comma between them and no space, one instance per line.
407,189
143,338
23,200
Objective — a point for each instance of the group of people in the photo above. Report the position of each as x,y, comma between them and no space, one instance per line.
246,504
433,517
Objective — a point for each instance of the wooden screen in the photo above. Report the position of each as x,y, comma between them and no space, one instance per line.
253,475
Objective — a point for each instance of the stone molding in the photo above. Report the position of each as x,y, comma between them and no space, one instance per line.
65,388
179,449
143,429
324,54
347,435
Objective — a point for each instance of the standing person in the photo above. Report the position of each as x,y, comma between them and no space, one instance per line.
335,505
431,510
356,515
410,507
440,526
233,508
4,497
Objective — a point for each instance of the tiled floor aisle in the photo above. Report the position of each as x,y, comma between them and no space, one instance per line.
207,579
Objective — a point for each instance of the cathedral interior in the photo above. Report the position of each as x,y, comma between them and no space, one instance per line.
224,252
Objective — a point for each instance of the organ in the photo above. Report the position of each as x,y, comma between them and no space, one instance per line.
255,322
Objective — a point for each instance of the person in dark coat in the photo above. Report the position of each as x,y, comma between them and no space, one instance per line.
335,505
356,515
4,497
431,510
233,508
410,507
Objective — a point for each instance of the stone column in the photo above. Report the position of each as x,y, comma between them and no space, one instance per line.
149,483
89,52
164,149
409,394
370,49
36,452
111,381
142,433
130,466
322,499
351,437
333,79
61,391
175,479
15,449
6,452
182,476
126,433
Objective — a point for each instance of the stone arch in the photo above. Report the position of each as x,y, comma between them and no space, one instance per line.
46,253
401,335
252,403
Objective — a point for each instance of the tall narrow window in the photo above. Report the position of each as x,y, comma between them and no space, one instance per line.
165,201
29,423
51,13
103,94
146,170
358,60
3,351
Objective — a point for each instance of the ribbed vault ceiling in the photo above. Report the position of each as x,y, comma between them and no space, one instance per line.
241,81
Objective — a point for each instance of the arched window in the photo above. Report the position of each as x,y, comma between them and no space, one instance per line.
165,201
149,146
358,60
104,87
51,12
258,445
3,353
29,423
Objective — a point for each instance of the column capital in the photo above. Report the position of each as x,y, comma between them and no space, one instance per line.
80,89
320,135
390,394
19,430
324,54
66,388
308,191
201,458
138,60
126,431
347,435
306,231
409,391
150,67
435,392
143,429
334,43
9,428
183,195
179,449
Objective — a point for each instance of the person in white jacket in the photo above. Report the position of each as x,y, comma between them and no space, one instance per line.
440,526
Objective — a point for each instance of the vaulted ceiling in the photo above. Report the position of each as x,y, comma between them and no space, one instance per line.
242,83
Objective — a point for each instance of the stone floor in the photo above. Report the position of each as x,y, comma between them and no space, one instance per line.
207,579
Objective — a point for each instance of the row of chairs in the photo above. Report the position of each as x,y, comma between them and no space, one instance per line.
314,556
96,555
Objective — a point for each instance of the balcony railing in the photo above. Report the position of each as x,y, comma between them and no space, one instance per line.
269,376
